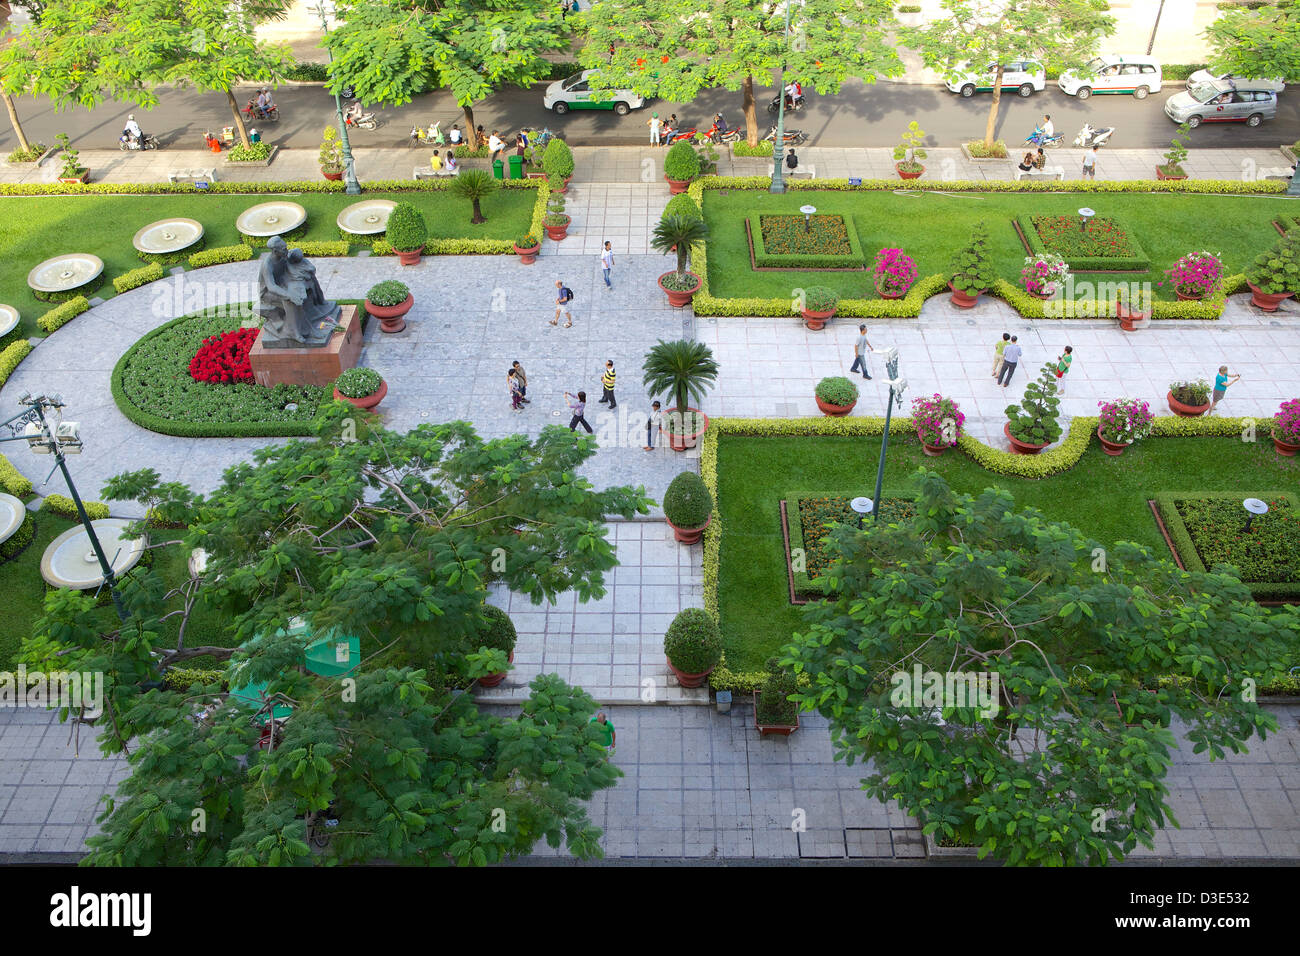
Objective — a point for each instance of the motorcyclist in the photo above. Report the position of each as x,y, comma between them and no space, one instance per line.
133,132
720,124
353,113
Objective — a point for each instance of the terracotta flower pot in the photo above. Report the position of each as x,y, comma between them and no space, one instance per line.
677,299
1019,447
557,233
962,300
1044,294
1128,319
528,256
688,535
1186,411
816,321
933,451
491,680
411,258
680,441
1268,301
1112,448
834,410
1182,297
773,730
890,293
1161,174
1285,448
689,680
906,174
333,177
677,186
366,401
390,316
563,189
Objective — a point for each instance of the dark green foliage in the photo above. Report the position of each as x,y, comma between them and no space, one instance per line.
693,642
406,229
1278,269
683,369
499,631
687,502
358,382
681,162
837,390
1034,420
972,267
388,293
18,541
774,705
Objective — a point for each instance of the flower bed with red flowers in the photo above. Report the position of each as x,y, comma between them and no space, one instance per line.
1105,246
1209,528
223,358
786,235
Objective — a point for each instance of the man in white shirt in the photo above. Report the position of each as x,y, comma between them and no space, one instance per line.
861,349
607,263
133,130
495,145
455,137
653,426
1046,126
655,123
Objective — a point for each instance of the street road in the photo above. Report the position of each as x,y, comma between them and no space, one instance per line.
859,115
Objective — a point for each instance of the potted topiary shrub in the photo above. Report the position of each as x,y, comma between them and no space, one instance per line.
1286,428
407,233
894,273
528,246
1133,313
1122,422
681,165
909,151
819,304
1043,274
1275,274
475,185
938,423
682,369
557,162
1032,425
1197,275
556,222
1173,164
693,646
331,155
688,507
388,301
1189,399
499,634
363,387
972,269
775,714
679,234
836,395
72,171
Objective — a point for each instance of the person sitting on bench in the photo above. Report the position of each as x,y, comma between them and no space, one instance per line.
435,161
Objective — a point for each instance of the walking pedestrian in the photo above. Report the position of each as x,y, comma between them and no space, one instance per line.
607,383
997,353
562,299
607,263
791,160
1090,164
1221,383
1062,366
564,9
516,396
579,409
522,378
655,124
653,426
861,349
605,731
1010,359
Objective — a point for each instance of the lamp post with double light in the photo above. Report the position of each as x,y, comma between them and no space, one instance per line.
778,142
896,388
353,188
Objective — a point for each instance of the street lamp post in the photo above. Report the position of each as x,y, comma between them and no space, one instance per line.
778,144
32,427
324,8
896,388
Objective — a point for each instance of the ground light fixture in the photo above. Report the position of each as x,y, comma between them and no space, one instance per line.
1253,507
862,507
1084,215
808,213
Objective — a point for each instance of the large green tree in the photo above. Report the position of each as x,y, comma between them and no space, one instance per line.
676,48
1096,652
394,539
975,34
1264,42
390,52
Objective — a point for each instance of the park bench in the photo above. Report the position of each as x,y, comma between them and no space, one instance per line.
1051,172
425,172
192,175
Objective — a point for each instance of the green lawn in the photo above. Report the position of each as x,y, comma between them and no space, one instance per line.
1104,497
34,228
929,227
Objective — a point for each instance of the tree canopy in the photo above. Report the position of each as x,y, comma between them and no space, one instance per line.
1095,651
1262,43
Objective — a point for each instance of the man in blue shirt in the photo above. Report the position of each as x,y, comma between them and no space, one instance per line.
1010,358
1221,383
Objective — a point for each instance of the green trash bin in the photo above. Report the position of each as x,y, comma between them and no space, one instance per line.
498,169
516,167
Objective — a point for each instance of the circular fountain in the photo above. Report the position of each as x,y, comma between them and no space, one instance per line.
8,319
270,219
65,273
167,236
12,515
366,218
70,560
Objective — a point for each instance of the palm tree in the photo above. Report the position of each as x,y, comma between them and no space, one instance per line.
682,232
475,185
682,369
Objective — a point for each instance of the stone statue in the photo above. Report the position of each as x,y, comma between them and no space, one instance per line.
294,311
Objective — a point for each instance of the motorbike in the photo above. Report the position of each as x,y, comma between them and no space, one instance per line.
720,136
792,137
356,118
790,107
254,112
1091,136
146,141
1036,138
679,135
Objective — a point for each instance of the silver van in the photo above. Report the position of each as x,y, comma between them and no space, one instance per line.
1223,101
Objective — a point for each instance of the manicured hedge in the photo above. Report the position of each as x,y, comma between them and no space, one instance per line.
772,260
323,247
17,542
13,353
260,242
72,296
1031,307
12,481
243,188
1138,262
221,255
184,678
61,315
138,277
65,506
1226,187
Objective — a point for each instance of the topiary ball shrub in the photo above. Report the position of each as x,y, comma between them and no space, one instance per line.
837,390
407,231
682,205
388,293
358,382
687,502
557,161
693,642
499,631
1278,270
818,298
682,162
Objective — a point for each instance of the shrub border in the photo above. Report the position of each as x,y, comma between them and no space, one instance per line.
773,262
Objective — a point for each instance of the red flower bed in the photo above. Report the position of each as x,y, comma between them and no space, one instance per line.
1066,236
224,358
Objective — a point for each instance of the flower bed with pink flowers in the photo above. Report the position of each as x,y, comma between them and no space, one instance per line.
1197,275
894,271
938,420
1286,422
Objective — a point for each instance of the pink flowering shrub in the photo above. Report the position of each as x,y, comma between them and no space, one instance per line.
1197,274
895,272
1043,271
1125,420
938,420
1286,423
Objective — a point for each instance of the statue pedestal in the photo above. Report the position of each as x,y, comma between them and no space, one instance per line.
310,366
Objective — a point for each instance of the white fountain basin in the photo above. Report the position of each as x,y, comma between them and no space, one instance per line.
70,561
366,218
271,219
168,235
65,273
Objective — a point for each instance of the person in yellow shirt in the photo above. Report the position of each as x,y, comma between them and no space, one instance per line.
435,160
607,381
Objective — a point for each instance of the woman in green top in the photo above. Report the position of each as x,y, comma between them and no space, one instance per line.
1062,366
1221,383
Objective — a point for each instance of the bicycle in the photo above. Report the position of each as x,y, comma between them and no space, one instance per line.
319,834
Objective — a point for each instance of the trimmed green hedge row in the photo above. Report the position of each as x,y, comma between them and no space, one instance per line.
1031,307
17,542
65,506
1139,262
220,256
242,188
61,315
13,354
1224,187
12,481
138,277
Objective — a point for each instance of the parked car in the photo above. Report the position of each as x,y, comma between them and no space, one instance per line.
1138,75
575,93
1023,76
1222,102
1209,76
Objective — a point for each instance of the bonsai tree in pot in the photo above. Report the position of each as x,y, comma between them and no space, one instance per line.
1275,275
774,712
972,269
688,507
836,395
475,185
557,163
1173,164
1197,275
681,165
1032,425
556,222
693,646
363,387
331,154
498,636
72,171
388,301
909,151
407,233
894,273
819,304
1189,399
938,421
1122,422
683,369
528,246
1286,428
679,234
